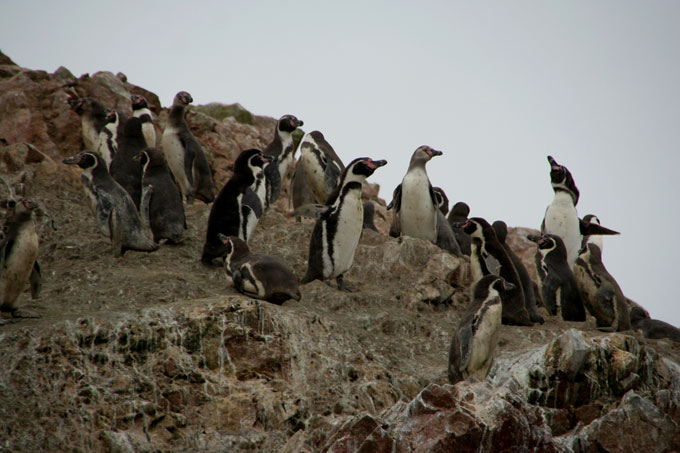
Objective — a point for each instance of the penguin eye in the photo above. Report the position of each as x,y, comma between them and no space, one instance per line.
11,204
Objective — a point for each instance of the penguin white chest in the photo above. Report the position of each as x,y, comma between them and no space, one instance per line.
90,134
561,218
347,234
418,214
174,156
19,264
484,341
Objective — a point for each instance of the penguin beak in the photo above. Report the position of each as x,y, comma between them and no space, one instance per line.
534,238
434,152
553,162
508,286
373,164
458,225
72,160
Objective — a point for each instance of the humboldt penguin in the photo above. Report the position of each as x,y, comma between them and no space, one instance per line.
125,168
321,164
229,214
596,239
561,217
514,310
18,258
600,293
282,148
416,206
184,155
458,216
140,109
92,118
558,284
501,229
475,339
108,137
115,213
652,328
337,230
261,276
254,198
162,198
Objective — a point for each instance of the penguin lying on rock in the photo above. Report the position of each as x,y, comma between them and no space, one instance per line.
652,328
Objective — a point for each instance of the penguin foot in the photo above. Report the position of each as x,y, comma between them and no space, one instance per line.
4,322
24,314
342,286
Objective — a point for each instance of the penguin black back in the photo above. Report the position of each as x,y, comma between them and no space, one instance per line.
124,167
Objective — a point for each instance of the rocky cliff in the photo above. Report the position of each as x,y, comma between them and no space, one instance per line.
155,352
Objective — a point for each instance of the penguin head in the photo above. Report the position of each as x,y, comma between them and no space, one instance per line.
637,314
561,179
442,200
423,154
85,160
111,116
138,102
150,157
459,213
476,227
501,230
363,167
234,247
251,160
491,285
182,98
77,105
288,123
550,244
590,251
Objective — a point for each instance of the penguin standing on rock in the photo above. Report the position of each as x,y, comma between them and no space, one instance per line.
458,216
164,202
229,215
184,154
261,276
475,339
558,284
92,118
108,137
282,148
115,212
18,258
125,167
600,293
561,217
338,229
321,164
140,109
514,309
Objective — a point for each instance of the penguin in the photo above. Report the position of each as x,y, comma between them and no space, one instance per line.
115,212
458,216
478,263
652,328
140,109
255,198
501,229
337,230
600,293
321,164
165,207
184,155
442,200
125,168
596,239
282,147
369,213
107,146
261,276
416,206
558,284
92,118
514,310
301,195
561,217
228,214
18,258
476,336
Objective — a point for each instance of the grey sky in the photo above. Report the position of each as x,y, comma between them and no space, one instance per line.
496,86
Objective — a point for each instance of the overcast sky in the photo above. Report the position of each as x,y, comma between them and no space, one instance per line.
496,86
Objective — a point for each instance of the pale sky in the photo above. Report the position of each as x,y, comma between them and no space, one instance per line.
496,86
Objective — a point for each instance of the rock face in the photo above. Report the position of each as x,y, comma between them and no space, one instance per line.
155,352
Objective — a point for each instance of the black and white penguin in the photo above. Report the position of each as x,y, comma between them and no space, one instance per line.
255,198
115,212
321,165
652,328
558,284
184,155
476,336
140,109
18,258
261,276
108,137
125,168
338,229
92,118
228,214
458,216
501,229
561,217
596,239
600,292
442,200
162,198
416,205
514,310
283,148
369,214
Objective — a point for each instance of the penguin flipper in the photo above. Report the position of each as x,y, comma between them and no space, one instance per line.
36,280
315,259
492,264
446,240
396,199
465,334
104,212
145,204
189,144
454,369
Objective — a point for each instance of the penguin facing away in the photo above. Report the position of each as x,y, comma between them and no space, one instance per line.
458,216
282,147
92,118
475,339
514,310
18,258
115,212
558,284
261,276
125,167
321,165
652,328
337,230
163,200
140,109
501,229
184,155
600,293
228,212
